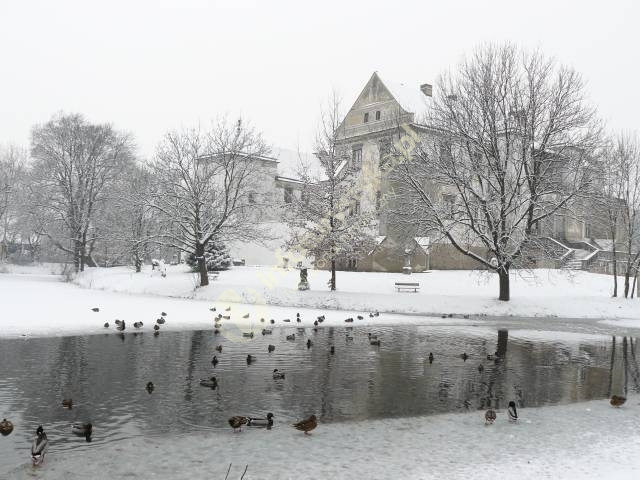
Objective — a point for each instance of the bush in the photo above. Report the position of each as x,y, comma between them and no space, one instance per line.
216,256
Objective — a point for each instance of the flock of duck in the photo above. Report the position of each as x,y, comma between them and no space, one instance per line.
40,441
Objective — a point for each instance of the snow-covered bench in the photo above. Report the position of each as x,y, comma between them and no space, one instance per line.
407,286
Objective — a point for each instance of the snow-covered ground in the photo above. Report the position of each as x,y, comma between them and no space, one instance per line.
550,293
590,440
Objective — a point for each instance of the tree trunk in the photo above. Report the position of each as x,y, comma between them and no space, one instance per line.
626,283
333,275
202,265
503,274
615,268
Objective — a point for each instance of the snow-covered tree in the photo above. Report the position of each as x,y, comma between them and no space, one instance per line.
512,143
12,177
75,165
203,182
216,256
326,219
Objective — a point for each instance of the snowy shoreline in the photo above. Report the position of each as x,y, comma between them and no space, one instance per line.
574,441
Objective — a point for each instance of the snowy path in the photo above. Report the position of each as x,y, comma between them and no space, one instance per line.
583,441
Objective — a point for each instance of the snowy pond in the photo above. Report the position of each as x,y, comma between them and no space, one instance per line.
106,375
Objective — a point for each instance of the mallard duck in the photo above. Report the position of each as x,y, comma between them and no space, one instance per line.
375,342
6,427
298,319
267,331
272,321
261,422
262,320
287,320
512,412
95,309
321,318
370,315
156,327
160,321
360,317
106,324
464,356
489,416
214,360
247,334
216,331
67,403
237,422
211,382
250,359
219,348
227,317
39,447
156,333
430,357
121,327
348,320
376,314
617,401
245,316
307,424
212,309
291,336
315,323
271,348
150,387
83,430
277,375
309,343
217,326
164,314
118,322
227,309
298,314
137,324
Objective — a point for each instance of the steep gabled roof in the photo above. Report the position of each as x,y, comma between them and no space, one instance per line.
409,96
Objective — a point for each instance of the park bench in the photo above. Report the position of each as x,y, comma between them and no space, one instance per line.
407,286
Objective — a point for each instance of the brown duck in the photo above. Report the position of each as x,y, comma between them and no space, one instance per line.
6,427
307,424
67,403
237,422
489,416
617,401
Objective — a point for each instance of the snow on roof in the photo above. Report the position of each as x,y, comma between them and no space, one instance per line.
410,97
292,163
379,240
423,242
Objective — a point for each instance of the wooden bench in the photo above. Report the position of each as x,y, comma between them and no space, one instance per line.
407,286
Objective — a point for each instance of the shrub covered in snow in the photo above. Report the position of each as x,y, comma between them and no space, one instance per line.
217,257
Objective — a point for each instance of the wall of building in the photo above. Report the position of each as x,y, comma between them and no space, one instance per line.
445,256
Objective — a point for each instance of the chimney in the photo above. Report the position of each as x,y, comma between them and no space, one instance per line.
426,88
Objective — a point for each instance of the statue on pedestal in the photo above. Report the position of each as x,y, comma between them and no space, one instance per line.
304,282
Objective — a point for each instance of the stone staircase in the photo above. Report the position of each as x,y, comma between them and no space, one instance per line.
575,262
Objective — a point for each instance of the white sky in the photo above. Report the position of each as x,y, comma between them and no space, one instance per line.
149,66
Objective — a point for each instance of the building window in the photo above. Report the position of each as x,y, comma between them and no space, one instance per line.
252,198
356,158
366,117
288,195
378,115
378,200
352,264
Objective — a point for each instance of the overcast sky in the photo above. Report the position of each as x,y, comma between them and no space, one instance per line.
150,66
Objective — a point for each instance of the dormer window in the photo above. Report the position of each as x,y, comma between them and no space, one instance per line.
378,115
366,117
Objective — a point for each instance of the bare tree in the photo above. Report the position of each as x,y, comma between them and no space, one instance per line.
12,175
204,181
75,165
326,218
511,143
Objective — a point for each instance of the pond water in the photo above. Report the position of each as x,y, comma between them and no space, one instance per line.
105,375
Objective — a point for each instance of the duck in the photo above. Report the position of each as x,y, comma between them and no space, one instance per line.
150,387
216,331
82,430
315,323
298,314
489,416
617,400
156,333
261,422
228,309
247,334
298,319
226,317
164,314
217,325
262,320
464,356
95,309
321,319
245,316
375,342
250,359
376,314
287,320
67,403
156,327
214,360
348,320
6,427
272,321
267,331
212,309
121,327
211,382
512,412
137,324
307,424
430,357
219,348
160,321
277,374
106,325
39,446
236,423
291,336
271,348
309,343
371,315
360,317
